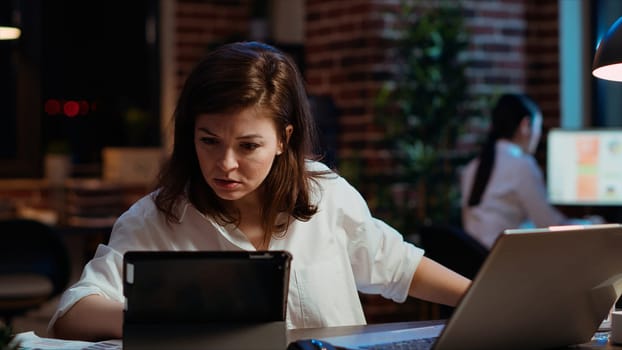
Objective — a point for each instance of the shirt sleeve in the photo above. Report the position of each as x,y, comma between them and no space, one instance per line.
382,261
533,196
101,276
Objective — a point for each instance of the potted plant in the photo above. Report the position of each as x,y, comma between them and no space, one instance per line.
423,110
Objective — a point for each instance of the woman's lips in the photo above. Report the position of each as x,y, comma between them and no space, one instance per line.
226,184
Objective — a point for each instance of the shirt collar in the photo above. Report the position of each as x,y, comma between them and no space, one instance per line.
181,210
509,147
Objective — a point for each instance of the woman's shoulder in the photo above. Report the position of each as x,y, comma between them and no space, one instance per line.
317,166
329,183
519,169
512,153
142,209
144,226
146,202
321,174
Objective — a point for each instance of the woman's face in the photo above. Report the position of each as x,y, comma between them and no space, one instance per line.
236,151
536,132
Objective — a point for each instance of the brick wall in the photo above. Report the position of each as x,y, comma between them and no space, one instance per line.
542,69
513,47
346,59
201,24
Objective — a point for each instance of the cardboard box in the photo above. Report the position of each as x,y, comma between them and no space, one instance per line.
131,165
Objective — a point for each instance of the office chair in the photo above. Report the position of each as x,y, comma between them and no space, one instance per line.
452,247
34,266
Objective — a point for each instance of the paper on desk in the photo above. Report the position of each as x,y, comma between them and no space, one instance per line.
31,341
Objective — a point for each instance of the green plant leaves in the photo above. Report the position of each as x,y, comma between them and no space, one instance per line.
423,108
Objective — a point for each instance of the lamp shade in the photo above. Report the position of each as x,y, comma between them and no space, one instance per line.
608,58
9,32
9,20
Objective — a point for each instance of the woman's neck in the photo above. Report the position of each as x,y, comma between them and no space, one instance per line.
520,142
250,223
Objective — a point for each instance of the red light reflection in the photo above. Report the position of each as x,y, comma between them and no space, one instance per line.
52,107
84,108
71,108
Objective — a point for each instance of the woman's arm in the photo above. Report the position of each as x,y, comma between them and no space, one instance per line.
436,283
93,318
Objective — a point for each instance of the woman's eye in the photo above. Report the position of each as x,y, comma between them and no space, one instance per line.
250,146
208,140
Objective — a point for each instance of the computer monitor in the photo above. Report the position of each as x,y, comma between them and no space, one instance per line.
584,167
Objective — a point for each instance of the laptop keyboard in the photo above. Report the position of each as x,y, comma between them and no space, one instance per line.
417,338
414,344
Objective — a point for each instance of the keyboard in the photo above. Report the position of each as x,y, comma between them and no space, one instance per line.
414,344
420,338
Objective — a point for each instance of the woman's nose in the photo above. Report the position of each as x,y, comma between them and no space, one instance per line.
228,160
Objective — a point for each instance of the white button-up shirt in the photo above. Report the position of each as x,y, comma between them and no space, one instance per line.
340,251
514,197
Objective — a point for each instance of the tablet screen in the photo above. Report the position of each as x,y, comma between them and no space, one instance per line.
201,286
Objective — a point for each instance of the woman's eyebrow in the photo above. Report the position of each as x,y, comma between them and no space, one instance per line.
242,137
250,136
205,130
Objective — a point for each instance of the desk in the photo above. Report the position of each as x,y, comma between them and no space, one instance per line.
318,333
31,341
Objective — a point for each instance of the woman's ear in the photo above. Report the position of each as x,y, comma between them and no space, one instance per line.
289,129
525,126
524,135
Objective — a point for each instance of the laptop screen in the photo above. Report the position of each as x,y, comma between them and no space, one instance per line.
584,167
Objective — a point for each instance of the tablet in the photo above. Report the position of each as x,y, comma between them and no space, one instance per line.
205,286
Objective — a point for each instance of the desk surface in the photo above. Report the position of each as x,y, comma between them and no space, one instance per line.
31,341
599,342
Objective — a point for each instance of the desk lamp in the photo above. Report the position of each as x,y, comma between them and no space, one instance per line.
608,58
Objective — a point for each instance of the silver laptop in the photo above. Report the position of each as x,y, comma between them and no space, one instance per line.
205,300
537,289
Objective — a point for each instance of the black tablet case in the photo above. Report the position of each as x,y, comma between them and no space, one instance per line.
205,299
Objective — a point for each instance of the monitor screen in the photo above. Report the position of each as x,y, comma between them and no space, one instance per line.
584,167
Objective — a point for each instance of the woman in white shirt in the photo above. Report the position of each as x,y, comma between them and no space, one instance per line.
504,188
241,177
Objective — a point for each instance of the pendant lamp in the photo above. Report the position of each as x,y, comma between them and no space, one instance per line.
608,58
9,33
8,19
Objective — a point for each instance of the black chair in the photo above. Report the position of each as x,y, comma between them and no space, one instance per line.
34,266
451,246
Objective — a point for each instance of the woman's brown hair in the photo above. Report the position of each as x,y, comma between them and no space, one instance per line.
231,78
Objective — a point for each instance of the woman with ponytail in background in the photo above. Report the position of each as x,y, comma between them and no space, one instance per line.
503,188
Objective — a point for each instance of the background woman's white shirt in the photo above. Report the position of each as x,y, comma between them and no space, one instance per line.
342,249
514,197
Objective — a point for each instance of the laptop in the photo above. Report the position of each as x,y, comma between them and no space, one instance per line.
537,289
205,299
